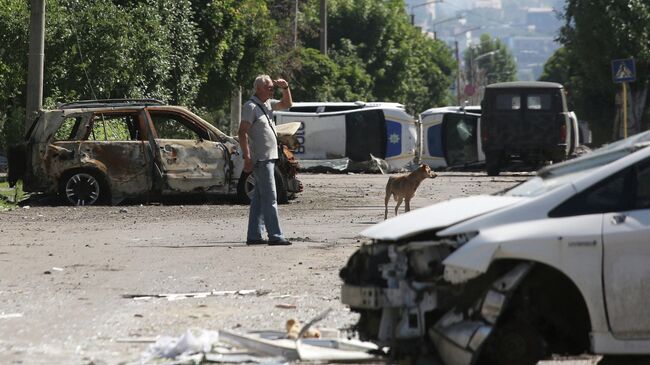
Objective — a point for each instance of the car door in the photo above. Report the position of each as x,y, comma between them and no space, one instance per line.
460,139
541,114
626,265
188,161
110,141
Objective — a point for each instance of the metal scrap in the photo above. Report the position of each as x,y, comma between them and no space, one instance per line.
213,293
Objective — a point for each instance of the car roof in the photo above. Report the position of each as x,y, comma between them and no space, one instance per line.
109,103
346,103
525,85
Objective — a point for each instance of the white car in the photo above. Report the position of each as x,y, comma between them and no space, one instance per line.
559,264
450,136
356,131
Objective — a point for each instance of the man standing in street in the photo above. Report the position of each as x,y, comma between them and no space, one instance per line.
259,145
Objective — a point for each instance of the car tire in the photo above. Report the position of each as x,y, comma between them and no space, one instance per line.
514,342
84,187
493,163
246,185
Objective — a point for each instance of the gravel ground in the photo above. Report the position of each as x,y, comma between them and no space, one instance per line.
64,271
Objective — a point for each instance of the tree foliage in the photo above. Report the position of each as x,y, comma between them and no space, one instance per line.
403,65
488,62
196,52
594,34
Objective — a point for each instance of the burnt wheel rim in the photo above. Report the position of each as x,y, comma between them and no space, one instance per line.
82,189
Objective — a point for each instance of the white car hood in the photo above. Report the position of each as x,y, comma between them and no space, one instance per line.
437,216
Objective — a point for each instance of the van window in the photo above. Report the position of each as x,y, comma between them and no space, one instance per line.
508,102
538,102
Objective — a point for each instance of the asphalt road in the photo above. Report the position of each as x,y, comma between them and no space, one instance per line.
68,275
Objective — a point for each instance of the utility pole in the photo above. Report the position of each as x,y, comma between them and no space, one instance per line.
235,111
36,58
323,27
457,73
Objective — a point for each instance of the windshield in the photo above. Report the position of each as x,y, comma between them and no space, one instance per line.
539,185
554,176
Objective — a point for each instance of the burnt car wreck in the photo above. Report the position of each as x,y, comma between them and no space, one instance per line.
103,151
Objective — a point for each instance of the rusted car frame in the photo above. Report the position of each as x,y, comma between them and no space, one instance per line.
105,152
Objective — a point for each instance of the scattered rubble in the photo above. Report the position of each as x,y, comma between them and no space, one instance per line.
263,347
297,343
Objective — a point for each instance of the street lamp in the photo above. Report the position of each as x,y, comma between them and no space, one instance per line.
476,74
418,5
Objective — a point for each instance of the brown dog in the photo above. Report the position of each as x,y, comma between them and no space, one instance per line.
403,187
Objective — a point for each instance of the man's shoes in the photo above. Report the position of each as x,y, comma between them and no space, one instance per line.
280,243
256,242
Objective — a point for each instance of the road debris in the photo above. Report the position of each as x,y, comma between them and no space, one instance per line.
294,329
213,293
10,315
173,347
261,347
286,306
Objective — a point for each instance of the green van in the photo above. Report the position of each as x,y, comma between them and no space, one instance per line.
527,121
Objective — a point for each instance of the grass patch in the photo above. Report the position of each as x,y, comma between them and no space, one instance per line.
10,197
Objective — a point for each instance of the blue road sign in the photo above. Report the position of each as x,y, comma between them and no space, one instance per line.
623,70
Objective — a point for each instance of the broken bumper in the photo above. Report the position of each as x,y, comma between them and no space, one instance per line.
410,310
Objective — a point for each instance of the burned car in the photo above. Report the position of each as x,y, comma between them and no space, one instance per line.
555,265
103,151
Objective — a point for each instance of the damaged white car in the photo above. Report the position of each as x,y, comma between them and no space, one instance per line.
555,265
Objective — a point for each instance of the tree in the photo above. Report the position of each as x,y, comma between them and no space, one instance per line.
558,68
488,62
594,34
236,42
13,69
403,65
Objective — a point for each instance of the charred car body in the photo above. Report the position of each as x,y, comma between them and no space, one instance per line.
106,150
555,265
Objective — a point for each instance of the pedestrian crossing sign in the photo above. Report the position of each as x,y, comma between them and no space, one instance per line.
623,70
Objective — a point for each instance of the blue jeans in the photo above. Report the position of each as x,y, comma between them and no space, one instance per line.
264,206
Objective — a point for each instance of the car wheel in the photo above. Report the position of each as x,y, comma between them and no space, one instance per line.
514,343
83,188
246,187
493,164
